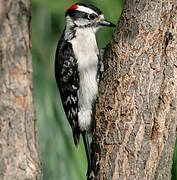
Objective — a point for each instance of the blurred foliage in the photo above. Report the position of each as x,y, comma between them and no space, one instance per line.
174,167
60,159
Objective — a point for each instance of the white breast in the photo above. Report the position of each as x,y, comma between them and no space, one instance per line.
86,52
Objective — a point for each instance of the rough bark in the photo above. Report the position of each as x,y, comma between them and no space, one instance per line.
136,110
19,157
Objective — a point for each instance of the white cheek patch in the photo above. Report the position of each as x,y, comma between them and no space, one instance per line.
82,22
86,10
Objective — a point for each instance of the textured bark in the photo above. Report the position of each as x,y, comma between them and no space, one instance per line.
19,157
136,110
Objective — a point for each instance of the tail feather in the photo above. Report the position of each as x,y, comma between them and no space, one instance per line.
88,152
76,136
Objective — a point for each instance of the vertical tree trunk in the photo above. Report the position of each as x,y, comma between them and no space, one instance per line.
136,111
19,155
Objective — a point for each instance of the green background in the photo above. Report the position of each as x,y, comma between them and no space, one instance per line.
60,159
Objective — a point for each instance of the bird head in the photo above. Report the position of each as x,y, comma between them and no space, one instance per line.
84,15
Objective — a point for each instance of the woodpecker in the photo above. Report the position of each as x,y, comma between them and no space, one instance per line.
77,63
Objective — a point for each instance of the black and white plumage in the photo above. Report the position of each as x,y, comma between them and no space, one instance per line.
76,67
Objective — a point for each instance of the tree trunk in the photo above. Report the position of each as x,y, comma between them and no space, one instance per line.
136,110
19,155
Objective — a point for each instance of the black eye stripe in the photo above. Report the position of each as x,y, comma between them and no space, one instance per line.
75,14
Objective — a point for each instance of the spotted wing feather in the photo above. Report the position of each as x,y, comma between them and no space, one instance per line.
67,78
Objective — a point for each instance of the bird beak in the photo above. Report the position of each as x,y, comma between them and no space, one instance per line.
104,22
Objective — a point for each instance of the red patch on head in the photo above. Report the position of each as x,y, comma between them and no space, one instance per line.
74,6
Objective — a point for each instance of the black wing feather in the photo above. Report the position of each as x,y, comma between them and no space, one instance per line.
67,78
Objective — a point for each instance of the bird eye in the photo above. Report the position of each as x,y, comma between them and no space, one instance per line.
92,16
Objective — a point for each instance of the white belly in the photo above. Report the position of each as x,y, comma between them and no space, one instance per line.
86,52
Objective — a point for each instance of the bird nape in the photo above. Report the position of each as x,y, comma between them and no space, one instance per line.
77,68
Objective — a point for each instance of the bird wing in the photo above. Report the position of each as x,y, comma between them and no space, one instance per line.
67,78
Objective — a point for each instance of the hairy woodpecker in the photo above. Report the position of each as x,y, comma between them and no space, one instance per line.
76,68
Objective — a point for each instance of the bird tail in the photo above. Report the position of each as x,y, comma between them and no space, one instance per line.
76,136
88,152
